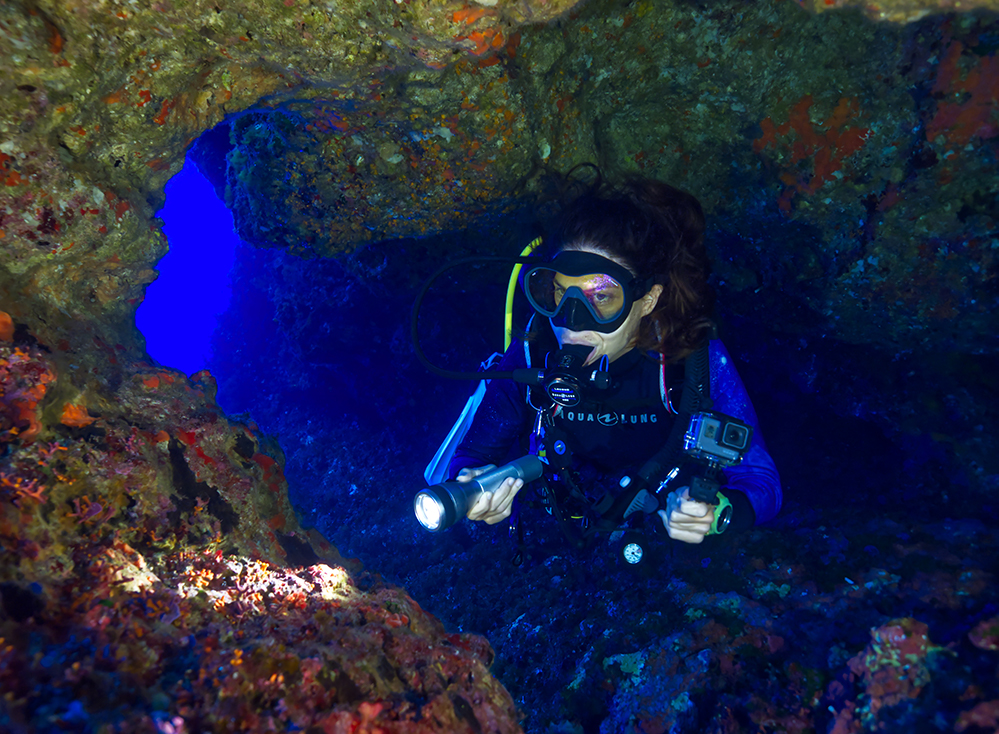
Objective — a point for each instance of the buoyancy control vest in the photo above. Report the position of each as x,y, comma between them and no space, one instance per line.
629,438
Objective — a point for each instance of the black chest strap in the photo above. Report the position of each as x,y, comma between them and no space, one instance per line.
612,508
696,396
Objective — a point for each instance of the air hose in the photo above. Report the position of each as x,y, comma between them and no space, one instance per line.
526,376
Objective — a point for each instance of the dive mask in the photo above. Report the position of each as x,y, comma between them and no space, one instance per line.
583,291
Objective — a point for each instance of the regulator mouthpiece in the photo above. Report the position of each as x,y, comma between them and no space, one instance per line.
567,378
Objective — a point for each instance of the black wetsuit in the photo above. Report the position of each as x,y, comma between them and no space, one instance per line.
619,429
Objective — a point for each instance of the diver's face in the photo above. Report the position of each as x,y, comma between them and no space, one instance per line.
607,298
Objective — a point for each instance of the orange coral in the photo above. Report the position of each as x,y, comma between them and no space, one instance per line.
75,416
469,15
24,380
6,327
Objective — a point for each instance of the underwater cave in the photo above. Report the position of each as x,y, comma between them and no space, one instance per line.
222,538
192,278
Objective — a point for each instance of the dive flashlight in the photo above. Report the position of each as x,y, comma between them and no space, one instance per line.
442,505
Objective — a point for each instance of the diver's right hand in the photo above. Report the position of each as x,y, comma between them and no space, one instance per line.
491,507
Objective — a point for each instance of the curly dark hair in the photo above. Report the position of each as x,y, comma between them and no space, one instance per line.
654,230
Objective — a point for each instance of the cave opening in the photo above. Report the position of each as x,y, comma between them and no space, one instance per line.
317,352
180,312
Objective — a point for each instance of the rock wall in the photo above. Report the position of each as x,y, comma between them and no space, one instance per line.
153,574
149,546
847,166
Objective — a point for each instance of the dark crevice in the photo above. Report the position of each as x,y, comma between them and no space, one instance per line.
189,490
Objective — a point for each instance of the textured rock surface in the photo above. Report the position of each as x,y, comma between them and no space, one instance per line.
154,577
849,166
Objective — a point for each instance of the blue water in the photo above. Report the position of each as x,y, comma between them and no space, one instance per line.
181,309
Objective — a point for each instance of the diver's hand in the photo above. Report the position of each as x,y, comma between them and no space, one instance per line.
491,507
686,519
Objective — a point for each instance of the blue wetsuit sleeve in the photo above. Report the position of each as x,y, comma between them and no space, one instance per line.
756,476
501,421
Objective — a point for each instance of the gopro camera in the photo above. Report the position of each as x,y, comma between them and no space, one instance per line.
717,438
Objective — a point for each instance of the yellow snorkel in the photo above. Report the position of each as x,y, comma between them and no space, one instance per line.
511,289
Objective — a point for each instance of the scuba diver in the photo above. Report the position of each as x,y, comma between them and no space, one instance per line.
637,410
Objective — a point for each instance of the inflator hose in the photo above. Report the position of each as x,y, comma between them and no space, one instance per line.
525,376
511,288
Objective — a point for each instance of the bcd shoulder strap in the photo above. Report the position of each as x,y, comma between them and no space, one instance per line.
696,396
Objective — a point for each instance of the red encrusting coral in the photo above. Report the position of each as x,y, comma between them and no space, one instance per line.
985,635
828,144
967,84
24,379
894,667
984,716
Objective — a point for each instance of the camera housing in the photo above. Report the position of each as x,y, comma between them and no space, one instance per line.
717,438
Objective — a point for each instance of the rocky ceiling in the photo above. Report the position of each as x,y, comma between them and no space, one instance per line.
845,153
847,166
846,163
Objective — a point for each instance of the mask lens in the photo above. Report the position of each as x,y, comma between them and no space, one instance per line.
604,296
540,288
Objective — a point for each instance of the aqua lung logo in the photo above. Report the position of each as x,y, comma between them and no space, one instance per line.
611,419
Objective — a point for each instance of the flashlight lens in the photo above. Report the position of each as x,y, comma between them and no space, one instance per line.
633,553
429,511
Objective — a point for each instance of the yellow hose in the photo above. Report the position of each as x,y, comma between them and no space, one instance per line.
511,289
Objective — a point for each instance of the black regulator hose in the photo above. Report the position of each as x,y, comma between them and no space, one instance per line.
525,376
696,396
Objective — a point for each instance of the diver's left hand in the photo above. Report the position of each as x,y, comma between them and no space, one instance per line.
686,519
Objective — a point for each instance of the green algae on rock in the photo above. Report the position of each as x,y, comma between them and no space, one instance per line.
122,483
864,145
